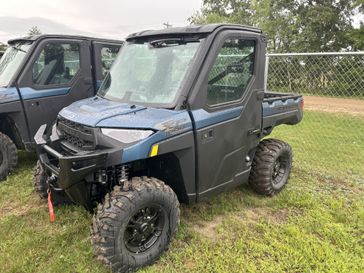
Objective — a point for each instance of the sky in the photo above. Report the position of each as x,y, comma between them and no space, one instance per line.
101,18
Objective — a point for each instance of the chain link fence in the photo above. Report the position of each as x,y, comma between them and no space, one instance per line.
330,139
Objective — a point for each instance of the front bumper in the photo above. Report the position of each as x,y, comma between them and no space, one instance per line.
74,173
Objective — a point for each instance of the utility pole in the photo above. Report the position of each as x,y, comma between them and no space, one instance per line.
167,25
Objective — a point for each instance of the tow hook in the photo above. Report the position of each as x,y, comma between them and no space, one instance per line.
50,207
50,180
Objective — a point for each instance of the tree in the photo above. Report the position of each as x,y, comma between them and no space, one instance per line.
291,25
34,31
323,25
270,15
356,37
226,11
278,22
3,47
360,4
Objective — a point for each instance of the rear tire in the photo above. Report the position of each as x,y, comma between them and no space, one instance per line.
41,187
134,225
8,156
271,167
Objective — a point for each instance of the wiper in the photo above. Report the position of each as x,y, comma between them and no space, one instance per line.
172,42
166,42
19,49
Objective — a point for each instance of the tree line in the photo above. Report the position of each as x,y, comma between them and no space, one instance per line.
32,31
293,25
302,26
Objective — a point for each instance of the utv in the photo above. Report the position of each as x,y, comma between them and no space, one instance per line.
179,118
39,75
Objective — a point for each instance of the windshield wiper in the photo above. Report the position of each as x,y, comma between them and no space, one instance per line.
172,42
166,42
19,49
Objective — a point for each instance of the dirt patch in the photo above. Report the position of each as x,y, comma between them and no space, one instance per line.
254,215
336,184
17,209
189,264
208,229
335,105
249,216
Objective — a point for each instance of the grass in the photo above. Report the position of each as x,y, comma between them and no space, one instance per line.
315,225
328,144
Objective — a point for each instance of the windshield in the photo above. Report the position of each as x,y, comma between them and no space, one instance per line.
149,72
11,60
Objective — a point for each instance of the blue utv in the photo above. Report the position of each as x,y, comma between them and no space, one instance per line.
39,75
179,118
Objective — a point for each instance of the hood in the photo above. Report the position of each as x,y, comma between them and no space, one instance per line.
100,112
8,94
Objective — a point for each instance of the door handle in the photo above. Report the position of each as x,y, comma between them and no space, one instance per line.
208,135
254,131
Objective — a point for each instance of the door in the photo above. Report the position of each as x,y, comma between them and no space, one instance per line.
58,74
227,129
104,56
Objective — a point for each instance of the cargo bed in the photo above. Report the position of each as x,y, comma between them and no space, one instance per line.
281,108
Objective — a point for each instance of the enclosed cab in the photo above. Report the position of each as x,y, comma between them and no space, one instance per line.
39,75
179,118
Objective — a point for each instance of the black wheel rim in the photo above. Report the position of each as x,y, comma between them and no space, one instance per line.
279,170
144,228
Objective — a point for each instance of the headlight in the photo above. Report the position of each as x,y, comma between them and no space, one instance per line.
126,135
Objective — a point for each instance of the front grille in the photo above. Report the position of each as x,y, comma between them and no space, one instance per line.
76,135
77,142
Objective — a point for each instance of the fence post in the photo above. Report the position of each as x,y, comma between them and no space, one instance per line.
266,72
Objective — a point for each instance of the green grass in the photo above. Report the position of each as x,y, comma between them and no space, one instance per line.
315,225
328,144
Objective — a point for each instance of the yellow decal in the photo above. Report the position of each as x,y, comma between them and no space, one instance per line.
154,150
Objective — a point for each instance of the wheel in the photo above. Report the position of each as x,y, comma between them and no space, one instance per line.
271,167
40,181
8,156
41,187
134,225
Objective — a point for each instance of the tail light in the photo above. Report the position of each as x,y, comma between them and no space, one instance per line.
302,103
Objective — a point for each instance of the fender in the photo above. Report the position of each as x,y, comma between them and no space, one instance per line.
179,152
8,95
11,128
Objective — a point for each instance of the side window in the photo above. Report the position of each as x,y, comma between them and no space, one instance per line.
57,64
231,72
108,55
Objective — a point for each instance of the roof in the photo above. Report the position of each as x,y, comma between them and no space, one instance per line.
192,29
61,36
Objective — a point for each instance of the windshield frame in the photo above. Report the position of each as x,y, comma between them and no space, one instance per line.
188,77
14,46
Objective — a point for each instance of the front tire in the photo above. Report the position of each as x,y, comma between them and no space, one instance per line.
271,167
134,225
8,156
41,187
